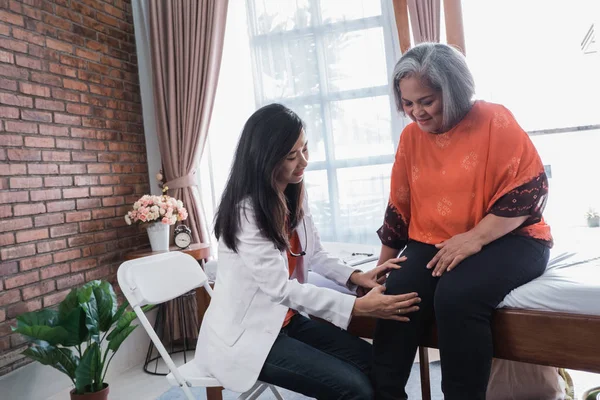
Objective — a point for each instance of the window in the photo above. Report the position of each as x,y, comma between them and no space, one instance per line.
331,65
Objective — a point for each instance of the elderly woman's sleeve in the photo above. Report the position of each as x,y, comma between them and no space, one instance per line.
394,231
528,199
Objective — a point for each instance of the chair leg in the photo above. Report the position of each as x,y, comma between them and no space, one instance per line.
214,393
424,368
188,393
275,392
258,391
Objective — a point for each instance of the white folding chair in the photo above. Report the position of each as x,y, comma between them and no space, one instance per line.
160,278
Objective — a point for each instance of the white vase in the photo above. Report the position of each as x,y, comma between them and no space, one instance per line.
158,233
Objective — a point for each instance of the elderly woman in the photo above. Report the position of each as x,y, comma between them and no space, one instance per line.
467,193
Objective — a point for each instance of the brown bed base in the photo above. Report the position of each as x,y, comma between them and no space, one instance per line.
537,337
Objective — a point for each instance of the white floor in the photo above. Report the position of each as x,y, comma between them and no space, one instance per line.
136,384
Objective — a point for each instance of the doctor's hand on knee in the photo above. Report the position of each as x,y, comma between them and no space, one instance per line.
375,277
376,304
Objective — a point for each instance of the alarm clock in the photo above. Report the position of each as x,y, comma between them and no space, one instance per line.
182,236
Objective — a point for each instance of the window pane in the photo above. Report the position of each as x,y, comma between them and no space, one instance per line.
363,196
362,127
320,206
313,118
355,59
277,15
331,11
288,67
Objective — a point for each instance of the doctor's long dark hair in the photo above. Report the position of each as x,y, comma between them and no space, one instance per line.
267,138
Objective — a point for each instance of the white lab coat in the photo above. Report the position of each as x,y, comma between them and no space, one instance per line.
252,294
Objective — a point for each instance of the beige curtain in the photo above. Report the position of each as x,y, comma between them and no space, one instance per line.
186,47
425,20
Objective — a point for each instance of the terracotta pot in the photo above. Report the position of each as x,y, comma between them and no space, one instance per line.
101,395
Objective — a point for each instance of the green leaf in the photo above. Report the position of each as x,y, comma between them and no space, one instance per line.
87,369
123,323
74,324
58,357
70,303
87,301
106,300
44,317
120,311
52,335
116,341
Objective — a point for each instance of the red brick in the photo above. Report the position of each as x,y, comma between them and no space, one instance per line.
86,180
33,13
67,119
71,169
71,38
52,130
49,219
61,156
7,57
102,191
75,85
57,22
59,45
46,142
15,45
21,127
11,18
83,204
25,183
15,99
76,193
13,197
2,315
69,144
9,112
28,62
63,70
81,240
115,222
8,268
21,308
98,273
12,140
103,213
82,265
43,53
79,109
17,252
78,216
113,201
98,168
4,30
27,264
24,155
67,255
73,61
58,181
55,270
64,95
90,55
53,245
5,211
48,79
55,298
27,36
83,133
52,106
48,194
56,206
84,10
63,230
29,209
42,169
87,76
21,279
109,180
34,89
15,224
7,239
80,156
93,122
68,14
3,183
9,297
91,226
70,281
7,84
8,70
39,289
99,146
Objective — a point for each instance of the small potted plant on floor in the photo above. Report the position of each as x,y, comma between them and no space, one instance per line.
80,338
593,218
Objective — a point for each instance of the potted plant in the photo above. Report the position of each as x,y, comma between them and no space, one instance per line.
592,394
81,337
593,218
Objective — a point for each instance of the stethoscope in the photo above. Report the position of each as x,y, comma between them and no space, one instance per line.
302,252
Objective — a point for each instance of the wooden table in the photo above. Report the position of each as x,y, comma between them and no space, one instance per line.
172,319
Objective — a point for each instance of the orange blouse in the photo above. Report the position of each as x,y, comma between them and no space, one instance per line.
295,247
444,184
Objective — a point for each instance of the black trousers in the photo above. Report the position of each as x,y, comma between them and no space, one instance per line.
463,300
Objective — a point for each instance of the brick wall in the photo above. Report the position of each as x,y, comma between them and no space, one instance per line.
72,152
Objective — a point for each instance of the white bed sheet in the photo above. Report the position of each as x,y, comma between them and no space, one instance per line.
571,282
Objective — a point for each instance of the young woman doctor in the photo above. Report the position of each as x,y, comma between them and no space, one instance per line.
255,327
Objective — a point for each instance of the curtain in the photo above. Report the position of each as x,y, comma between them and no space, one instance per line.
425,20
186,48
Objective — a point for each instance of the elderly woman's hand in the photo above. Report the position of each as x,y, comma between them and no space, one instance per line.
453,251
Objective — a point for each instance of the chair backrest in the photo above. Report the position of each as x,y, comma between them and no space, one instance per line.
159,278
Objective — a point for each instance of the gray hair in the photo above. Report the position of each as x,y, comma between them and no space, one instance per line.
442,68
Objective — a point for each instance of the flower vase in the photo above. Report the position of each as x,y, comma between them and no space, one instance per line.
158,233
